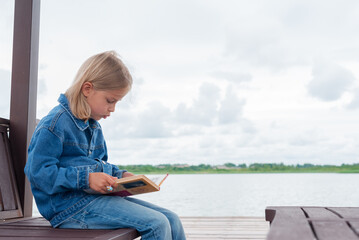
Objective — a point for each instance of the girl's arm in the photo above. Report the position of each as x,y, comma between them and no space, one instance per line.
42,167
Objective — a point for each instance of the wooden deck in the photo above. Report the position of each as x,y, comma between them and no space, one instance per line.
321,223
196,228
225,228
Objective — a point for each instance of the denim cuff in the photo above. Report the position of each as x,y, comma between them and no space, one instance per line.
83,178
119,173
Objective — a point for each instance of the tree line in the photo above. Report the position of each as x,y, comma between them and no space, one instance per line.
241,168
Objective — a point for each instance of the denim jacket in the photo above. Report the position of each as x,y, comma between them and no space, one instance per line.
62,153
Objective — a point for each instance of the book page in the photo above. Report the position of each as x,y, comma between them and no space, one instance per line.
158,180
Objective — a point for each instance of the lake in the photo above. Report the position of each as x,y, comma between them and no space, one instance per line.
250,194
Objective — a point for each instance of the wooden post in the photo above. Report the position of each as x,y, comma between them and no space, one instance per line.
24,91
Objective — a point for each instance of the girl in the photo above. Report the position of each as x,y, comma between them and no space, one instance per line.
68,158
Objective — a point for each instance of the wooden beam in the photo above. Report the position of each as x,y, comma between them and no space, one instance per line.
24,91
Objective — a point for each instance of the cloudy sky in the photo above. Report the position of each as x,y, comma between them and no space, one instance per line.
214,81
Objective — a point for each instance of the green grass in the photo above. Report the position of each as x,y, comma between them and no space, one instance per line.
231,168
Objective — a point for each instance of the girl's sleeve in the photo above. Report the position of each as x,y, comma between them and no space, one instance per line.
117,172
42,167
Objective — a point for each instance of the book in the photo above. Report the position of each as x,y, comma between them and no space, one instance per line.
137,184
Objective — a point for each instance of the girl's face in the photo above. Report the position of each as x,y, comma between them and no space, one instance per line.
102,103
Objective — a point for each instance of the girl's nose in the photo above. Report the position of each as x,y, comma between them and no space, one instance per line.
112,108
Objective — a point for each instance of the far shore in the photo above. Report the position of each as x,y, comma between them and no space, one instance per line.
231,168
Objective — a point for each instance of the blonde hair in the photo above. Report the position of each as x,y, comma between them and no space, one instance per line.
105,71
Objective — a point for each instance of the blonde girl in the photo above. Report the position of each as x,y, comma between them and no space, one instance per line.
68,159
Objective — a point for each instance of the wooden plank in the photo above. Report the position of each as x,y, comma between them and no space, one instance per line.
1,203
46,232
218,236
40,228
320,213
225,228
226,232
36,221
78,233
4,178
270,214
119,234
223,219
229,223
333,230
4,122
346,212
24,91
288,223
354,224
37,238
10,201
6,185
8,214
327,223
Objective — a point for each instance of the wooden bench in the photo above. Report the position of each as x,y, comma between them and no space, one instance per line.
39,228
321,223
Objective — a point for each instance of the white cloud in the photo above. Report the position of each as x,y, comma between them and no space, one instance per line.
5,83
293,34
330,81
354,104
152,123
230,109
233,77
203,110
6,36
41,87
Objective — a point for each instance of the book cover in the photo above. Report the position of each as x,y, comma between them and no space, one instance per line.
134,185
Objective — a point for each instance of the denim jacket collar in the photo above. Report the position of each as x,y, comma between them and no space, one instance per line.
81,124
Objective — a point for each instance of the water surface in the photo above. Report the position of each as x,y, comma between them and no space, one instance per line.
250,194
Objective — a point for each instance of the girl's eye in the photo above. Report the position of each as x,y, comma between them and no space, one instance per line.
109,101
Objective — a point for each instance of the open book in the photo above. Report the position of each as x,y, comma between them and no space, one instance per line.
137,184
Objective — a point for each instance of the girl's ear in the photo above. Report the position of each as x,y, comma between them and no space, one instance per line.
86,89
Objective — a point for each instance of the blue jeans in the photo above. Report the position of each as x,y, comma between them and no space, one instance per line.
112,212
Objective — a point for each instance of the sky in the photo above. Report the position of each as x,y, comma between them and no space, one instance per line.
214,81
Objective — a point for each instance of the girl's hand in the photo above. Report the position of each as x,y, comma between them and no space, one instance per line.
127,174
99,182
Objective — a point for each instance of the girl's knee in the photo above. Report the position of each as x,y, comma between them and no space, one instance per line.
159,227
173,218
161,221
177,230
